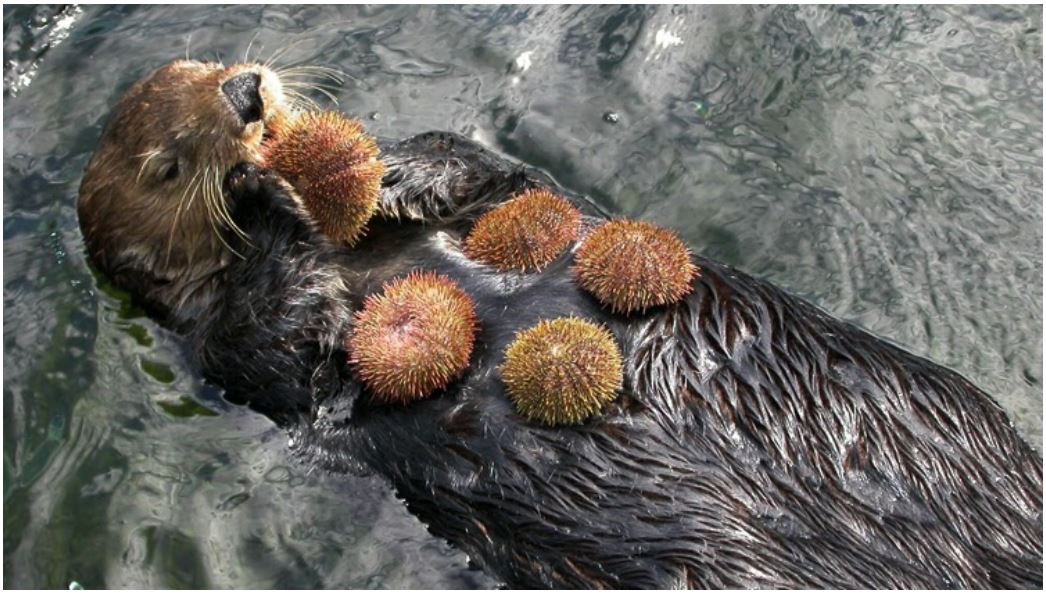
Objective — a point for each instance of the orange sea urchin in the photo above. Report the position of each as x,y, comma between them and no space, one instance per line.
413,338
334,166
561,372
528,232
632,265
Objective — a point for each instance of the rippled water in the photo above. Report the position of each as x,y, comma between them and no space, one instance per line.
885,163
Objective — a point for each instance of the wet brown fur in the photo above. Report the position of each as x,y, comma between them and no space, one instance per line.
757,440
156,233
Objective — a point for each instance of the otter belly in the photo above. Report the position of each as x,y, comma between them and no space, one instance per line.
759,442
756,441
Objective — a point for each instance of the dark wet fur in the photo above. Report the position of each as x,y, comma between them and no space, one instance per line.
758,441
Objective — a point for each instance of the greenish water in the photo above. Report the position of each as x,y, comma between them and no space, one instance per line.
885,163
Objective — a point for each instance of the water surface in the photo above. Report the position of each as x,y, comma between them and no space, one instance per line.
884,163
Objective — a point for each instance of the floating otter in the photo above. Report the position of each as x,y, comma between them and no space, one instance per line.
756,441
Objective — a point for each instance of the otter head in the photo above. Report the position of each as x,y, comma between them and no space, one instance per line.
151,206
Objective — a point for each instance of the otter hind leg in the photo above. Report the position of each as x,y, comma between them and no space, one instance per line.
442,175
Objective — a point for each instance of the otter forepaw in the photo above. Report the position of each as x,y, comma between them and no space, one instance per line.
242,179
247,179
440,175
253,192
263,207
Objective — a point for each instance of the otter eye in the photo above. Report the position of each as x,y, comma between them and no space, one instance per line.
170,172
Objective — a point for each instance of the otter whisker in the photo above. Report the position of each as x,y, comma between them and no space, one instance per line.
305,101
223,209
247,53
300,100
218,234
293,80
213,198
318,71
310,84
318,67
281,51
312,77
295,105
183,206
311,87
334,74
326,93
275,56
299,103
212,217
178,213
149,156
192,198
299,107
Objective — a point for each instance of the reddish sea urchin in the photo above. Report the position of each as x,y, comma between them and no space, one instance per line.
632,266
333,164
413,338
528,232
561,372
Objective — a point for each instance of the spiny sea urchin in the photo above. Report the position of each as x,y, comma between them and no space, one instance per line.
632,265
413,338
563,371
333,164
527,232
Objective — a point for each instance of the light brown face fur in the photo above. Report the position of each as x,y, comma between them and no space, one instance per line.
151,197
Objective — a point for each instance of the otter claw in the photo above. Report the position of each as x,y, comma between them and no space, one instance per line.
242,179
260,201
248,179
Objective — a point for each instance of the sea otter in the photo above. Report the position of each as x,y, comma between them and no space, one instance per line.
756,441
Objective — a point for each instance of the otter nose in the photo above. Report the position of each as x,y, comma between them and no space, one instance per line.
242,92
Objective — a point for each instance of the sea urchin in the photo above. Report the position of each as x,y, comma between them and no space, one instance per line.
527,232
561,372
413,338
632,265
334,166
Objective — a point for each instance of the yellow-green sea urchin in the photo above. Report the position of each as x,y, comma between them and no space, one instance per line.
413,338
561,372
632,266
526,233
333,164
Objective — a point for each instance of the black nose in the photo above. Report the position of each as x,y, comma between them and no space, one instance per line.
242,92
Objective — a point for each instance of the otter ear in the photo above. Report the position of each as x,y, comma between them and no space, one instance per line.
169,171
